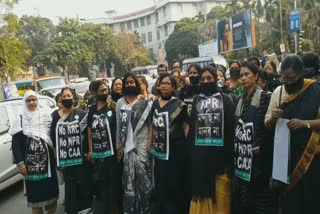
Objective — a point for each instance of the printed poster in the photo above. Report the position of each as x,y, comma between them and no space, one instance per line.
68,137
243,142
160,135
209,121
37,160
101,137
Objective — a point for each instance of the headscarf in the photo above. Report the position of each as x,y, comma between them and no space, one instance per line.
34,123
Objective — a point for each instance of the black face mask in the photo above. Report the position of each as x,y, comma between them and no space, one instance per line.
166,98
67,103
294,87
103,97
234,73
309,73
115,96
194,80
131,91
208,88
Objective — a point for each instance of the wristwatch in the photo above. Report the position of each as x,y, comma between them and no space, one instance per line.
308,124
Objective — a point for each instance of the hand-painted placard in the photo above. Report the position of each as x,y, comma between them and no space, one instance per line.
160,135
101,137
126,132
37,160
243,141
209,121
68,141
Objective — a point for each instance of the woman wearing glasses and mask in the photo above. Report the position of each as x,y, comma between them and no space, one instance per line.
168,146
298,102
33,152
68,134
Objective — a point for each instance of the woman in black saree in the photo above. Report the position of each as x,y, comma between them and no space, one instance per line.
168,146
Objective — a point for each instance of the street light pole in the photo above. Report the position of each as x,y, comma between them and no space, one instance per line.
295,33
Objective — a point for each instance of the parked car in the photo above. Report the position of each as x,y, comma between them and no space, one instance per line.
9,110
81,87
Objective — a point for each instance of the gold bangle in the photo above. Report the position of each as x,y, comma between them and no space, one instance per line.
308,124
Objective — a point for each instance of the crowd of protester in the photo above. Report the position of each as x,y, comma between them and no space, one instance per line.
196,144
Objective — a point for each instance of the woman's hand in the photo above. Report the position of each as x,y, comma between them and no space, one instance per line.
256,150
296,124
23,169
120,152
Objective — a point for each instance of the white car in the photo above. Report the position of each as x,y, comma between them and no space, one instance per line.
9,110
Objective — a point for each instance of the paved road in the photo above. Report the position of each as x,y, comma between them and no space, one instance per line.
12,201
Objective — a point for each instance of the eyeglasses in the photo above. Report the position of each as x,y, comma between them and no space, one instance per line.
289,80
130,82
165,84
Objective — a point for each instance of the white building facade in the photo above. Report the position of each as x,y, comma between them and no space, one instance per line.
155,24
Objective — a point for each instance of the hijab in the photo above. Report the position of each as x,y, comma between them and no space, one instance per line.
34,123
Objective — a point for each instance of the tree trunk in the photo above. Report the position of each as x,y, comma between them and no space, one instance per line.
66,74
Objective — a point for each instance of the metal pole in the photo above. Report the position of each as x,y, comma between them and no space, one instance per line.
281,36
295,33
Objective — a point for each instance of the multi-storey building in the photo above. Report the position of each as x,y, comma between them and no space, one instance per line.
155,24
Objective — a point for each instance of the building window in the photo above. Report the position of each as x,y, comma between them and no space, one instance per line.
158,35
142,22
164,11
149,20
157,17
151,52
129,25
150,37
144,38
166,30
122,27
136,23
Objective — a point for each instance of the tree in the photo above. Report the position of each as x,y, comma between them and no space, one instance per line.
77,47
129,53
38,32
183,42
13,51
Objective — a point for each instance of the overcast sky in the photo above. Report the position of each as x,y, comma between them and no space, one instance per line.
78,8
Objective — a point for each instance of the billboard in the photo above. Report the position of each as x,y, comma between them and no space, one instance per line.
236,32
207,35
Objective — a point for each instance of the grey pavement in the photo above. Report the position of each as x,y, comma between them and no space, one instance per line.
13,201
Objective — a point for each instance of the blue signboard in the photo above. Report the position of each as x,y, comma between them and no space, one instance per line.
294,21
6,91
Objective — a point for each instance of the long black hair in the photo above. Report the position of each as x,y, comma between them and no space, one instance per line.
134,77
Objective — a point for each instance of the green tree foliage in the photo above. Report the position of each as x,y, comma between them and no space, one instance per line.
183,42
14,52
77,47
39,33
129,53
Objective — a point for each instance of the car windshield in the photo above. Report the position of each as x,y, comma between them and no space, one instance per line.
52,82
81,88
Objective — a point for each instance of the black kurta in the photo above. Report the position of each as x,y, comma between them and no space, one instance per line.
78,182
39,193
106,171
209,161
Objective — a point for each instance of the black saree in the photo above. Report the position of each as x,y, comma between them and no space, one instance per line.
303,197
171,175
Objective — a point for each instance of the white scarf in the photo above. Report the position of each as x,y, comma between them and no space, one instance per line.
35,123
